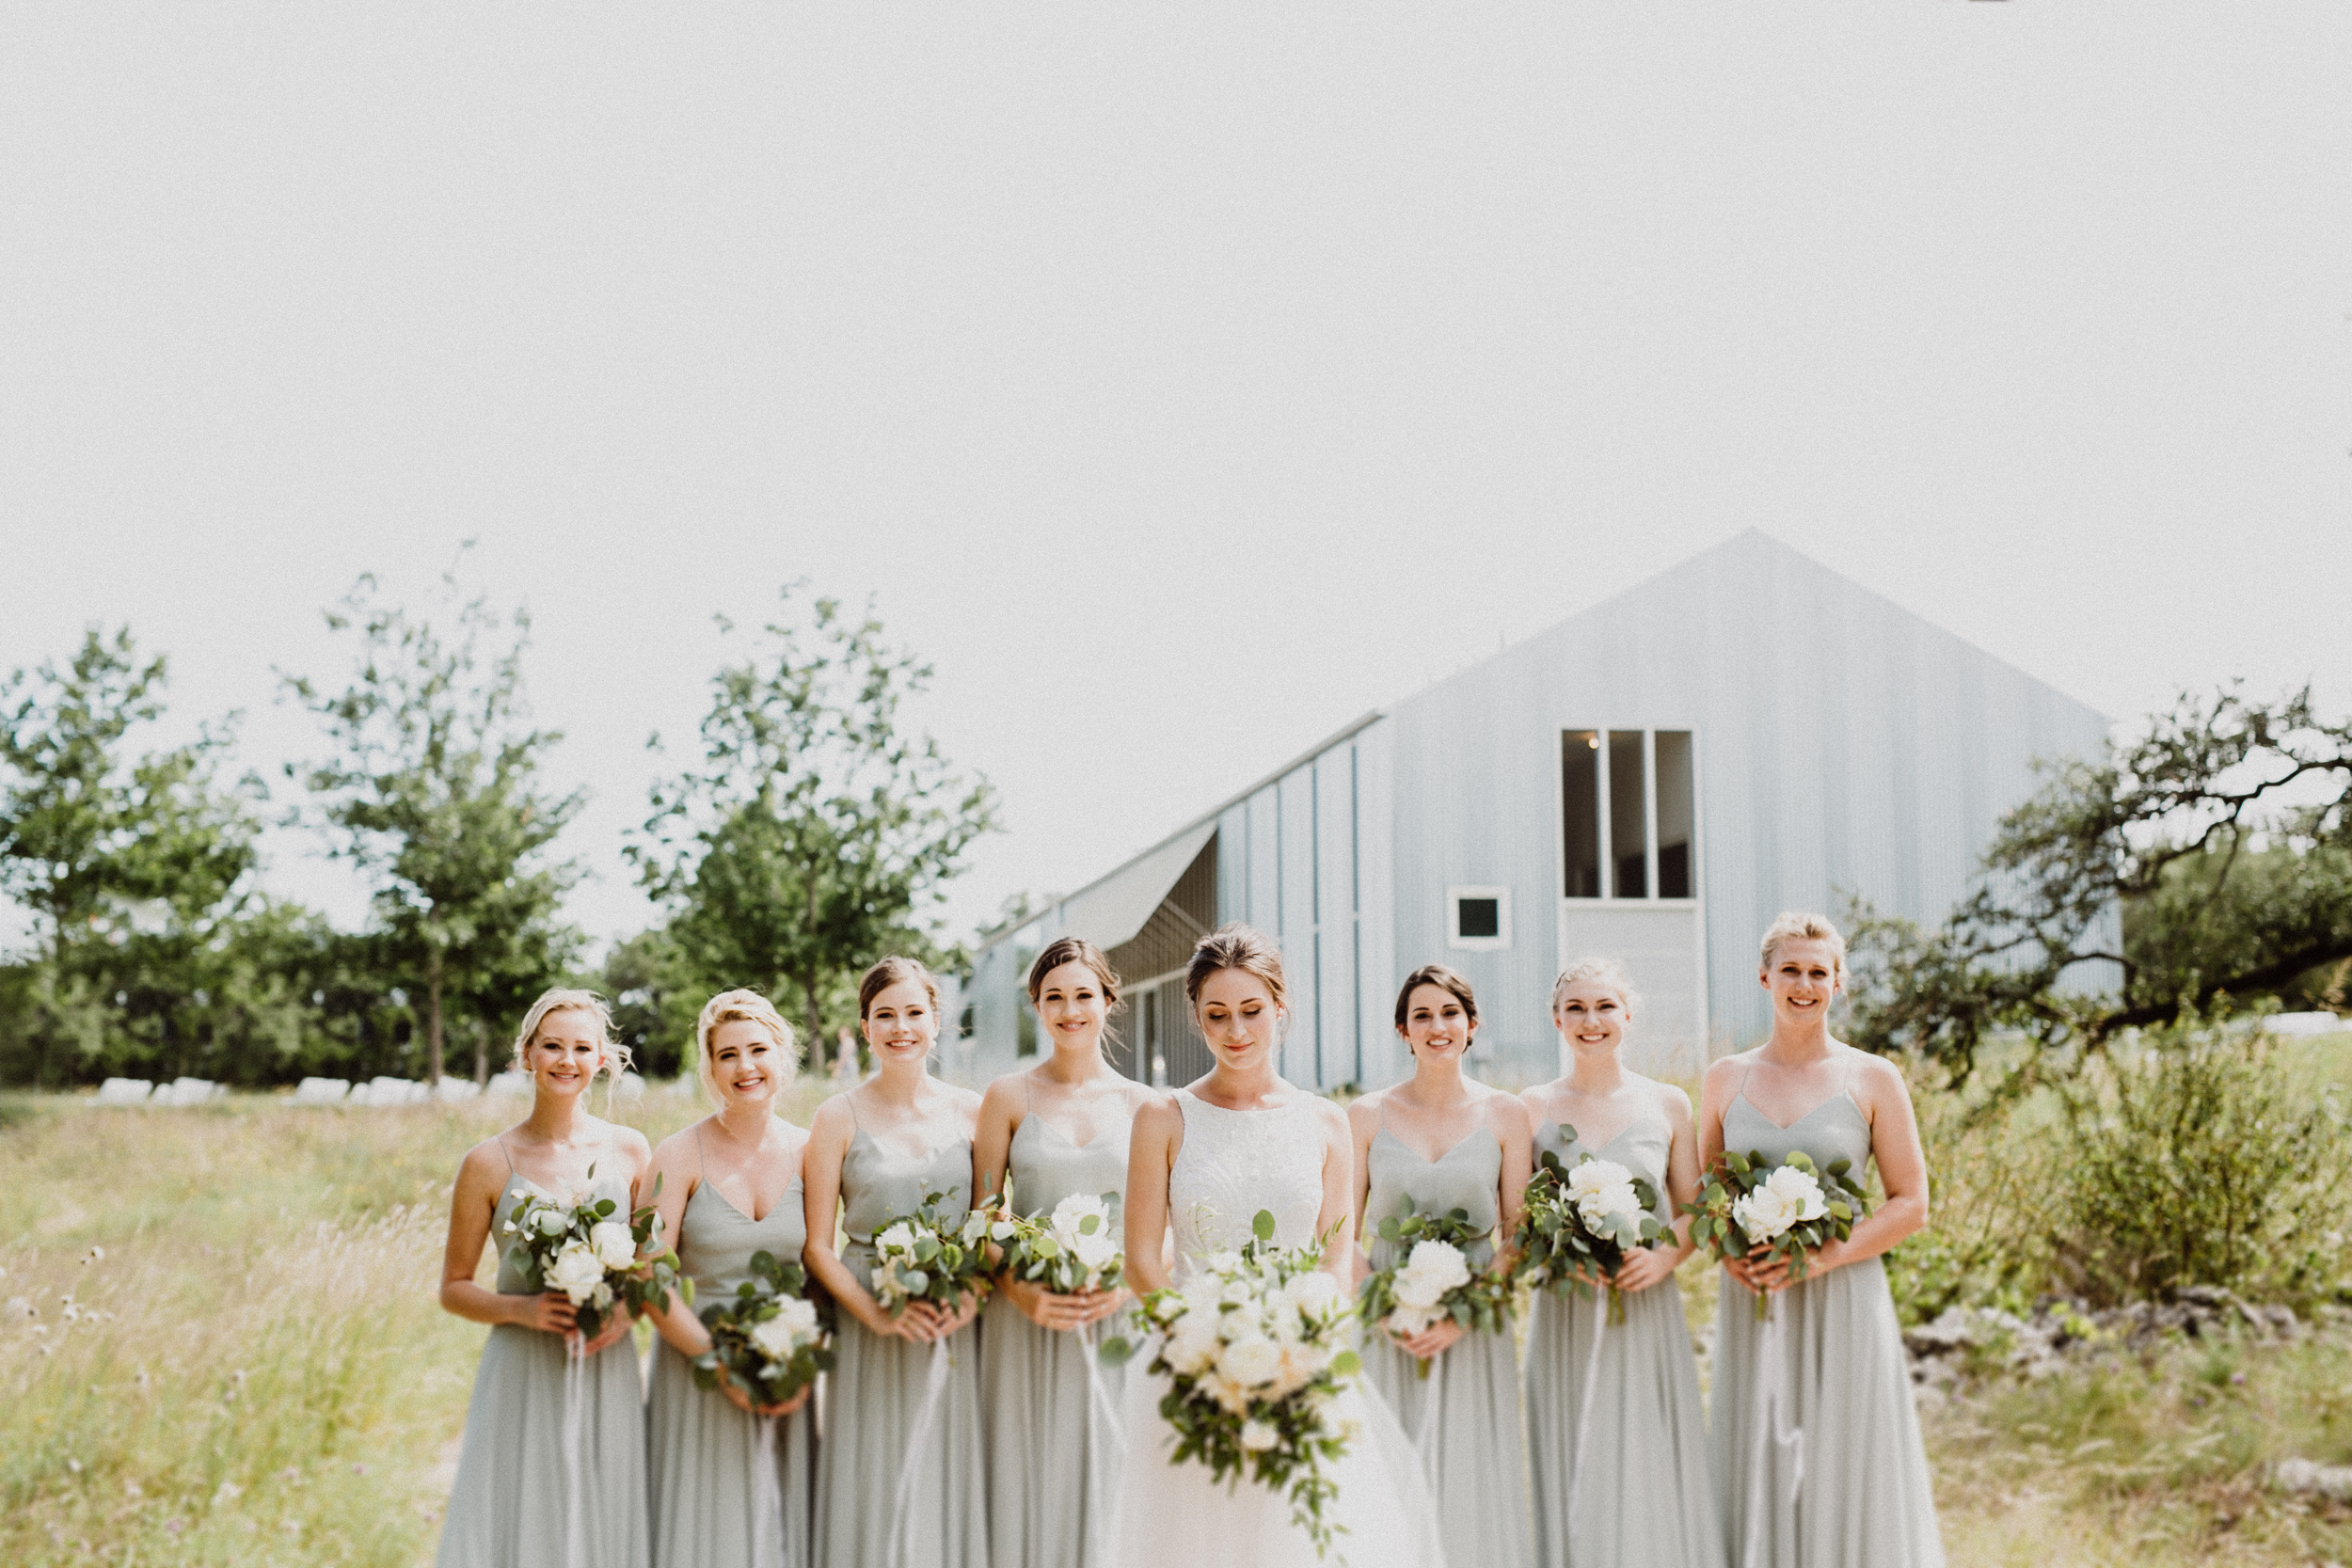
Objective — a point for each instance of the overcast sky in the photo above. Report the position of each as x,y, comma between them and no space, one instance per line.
1183,380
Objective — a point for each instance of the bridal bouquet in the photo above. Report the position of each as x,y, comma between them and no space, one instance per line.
1256,1345
1432,1280
596,1259
1579,1221
1745,1203
927,1256
768,1336
1074,1249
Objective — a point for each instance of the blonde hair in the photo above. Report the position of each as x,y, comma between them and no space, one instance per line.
1608,971
739,1006
561,999
1234,946
1796,925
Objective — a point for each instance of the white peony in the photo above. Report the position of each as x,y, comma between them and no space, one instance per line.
794,1326
1763,1214
899,1238
1800,1190
1258,1437
1417,1292
577,1272
1441,1261
1314,1293
1192,1347
614,1246
1250,1361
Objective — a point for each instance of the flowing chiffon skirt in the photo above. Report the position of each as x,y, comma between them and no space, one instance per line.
1176,1516
711,1506
1051,1415
1464,1420
877,1391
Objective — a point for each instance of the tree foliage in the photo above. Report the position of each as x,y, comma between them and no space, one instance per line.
433,792
2211,859
812,832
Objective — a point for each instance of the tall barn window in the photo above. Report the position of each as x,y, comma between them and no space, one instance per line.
1629,810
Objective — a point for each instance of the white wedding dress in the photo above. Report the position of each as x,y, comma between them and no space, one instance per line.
1231,1166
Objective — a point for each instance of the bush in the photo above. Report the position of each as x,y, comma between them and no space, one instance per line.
2194,1158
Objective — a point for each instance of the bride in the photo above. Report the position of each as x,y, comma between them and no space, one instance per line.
1205,1159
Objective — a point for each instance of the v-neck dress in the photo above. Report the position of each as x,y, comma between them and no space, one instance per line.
1817,1445
1464,1416
1049,1408
877,1393
711,1508
512,1504
1637,1491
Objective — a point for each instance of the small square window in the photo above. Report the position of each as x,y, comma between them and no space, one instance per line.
1478,917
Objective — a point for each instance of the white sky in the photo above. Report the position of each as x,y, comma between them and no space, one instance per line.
1186,380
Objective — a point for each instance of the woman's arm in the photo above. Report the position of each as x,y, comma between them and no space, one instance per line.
1151,1146
991,1140
481,1179
1515,1128
1364,1124
1338,1192
1902,1163
677,1171
1651,1264
820,1183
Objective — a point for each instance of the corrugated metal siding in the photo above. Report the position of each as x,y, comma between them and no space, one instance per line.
1378,976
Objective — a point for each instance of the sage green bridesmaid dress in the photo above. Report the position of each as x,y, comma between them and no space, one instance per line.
1818,1455
878,1390
712,1508
1464,1416
1638,1491
512,1504
1049,1408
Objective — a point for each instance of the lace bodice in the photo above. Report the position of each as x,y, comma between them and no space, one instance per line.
1231,1164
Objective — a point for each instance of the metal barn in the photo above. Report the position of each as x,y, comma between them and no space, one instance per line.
1652,779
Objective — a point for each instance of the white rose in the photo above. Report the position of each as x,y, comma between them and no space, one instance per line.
1314,1293
1250,1361
1238,1293
1416,1291
800,1316
899,1238
1201,1294
1258,1437
1071,1215
1589,1177
1405,1322
1094,1252
1441,1261
576,1272
614,1246
1799,1190
1763,1214
1231,1397
553,1222
1191,1348
778,1337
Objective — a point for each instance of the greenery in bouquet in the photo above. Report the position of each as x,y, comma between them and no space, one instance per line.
929,1256
1790,1210
1256,1345
769,1337
1578,1220
1432,1281
1076,1248
583,1249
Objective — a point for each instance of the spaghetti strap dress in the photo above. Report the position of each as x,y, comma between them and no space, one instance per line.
1464,1416
1818,1456
515,1502
713,1506
1049,1408
1617,1436
879,1396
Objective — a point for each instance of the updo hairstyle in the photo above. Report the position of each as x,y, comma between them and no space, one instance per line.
1435,975
739,1006
1608,971
1234,946
1074,950
561,999
889,971
1796,925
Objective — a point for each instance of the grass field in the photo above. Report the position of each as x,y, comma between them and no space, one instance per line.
256,1371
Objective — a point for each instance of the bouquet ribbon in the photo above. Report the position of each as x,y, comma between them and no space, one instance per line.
1771,1433
1107,1442
768,1547
575,1392
934,1390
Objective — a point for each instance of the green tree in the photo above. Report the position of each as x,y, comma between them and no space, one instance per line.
2209,860
434,793
813,834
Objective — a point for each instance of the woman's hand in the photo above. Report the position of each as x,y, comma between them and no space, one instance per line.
1646,1267
1767,1272
1056,1310
789,1405
549,1312
1431,1342
966,1308
615,1325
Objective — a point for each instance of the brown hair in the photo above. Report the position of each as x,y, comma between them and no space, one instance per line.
1074,950
1798,926
889,971
1234,946
739,1006
1443,979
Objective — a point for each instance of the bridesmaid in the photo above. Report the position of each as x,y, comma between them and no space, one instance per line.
1615,1434
1448,1143
729,1489
1817,1447
1048,1409
872,1154
516,1503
